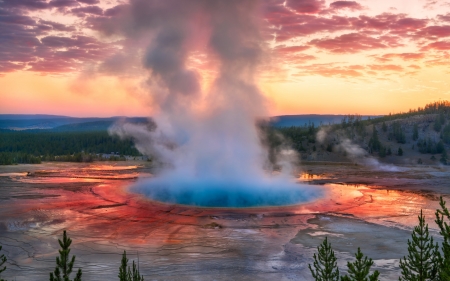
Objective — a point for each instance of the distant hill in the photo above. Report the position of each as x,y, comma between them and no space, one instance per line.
302,120
101,125
30,116
59,123
21,122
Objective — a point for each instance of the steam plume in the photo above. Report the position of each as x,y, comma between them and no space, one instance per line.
357,154
214,152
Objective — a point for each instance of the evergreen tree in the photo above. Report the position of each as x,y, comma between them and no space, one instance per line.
400,151
374,142
437,125
123,267
133,274
383,151
423,260
325,265
384,127
444,157
126,273
442,118
442,220
63,265
359,269
415,132
2,262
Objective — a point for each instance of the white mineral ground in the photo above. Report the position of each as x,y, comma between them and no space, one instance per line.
361,208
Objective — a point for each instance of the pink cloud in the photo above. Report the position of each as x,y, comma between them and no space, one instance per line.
439,45
350,5
330,70
94,10
354,42
385,67
306,6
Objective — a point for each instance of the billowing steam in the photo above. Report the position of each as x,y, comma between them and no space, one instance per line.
357,154
208,143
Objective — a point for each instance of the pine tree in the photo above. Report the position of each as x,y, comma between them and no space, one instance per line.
359,269
374,142
444,157
2,262
415,132
123,267
442,220
63,265
422,261
130,274
325,265
133,274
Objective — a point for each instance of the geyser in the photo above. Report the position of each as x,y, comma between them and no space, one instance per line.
210,192
206,138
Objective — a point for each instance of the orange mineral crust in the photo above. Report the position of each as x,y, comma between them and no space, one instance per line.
102,212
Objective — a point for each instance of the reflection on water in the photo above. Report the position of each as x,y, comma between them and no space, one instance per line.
94,195
305,176
13,174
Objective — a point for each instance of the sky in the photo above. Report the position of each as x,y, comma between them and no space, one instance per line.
81,58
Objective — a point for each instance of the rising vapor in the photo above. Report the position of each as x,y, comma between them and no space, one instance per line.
208,143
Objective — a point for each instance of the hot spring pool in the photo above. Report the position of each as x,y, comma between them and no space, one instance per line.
228,194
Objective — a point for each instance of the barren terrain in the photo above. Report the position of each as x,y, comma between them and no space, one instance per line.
360,208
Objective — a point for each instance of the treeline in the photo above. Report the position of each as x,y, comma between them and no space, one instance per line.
8,158
298,135
426,260
439,107
34,146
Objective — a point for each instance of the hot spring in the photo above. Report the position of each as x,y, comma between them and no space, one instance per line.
210,192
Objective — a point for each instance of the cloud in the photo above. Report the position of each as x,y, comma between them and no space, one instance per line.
438,45
63,3
21,49
355,42
302,25
58,26
330,70
445,18
434,31
306,6
26,4
403,56
89,2
94,10
291,49
385,67
350,5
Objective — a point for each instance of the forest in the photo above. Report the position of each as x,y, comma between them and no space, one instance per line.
17,147
415,126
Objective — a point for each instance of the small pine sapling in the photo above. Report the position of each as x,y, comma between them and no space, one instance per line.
325,263
63,265
359,269
442,220
126,273
423,258
123,268
2,262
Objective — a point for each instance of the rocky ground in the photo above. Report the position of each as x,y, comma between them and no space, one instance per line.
361,207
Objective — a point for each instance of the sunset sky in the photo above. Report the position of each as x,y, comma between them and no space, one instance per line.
66,57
